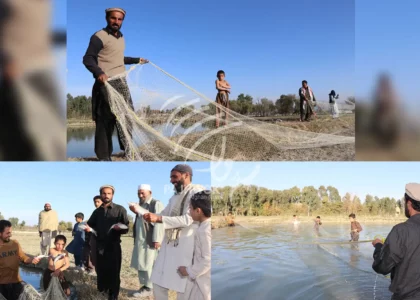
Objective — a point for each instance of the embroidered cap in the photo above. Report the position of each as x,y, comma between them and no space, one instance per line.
413,191
145,187
106,186
115,9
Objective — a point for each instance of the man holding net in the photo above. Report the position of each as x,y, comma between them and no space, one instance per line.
11,254
307,97
400,253
105,58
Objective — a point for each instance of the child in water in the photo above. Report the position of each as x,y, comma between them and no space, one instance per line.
222,98
56,268
317,224
355,228
198,282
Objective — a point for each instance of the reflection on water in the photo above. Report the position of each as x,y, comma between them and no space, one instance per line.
80,141
282,262
32,276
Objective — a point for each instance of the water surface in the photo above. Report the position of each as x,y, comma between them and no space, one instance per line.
283,262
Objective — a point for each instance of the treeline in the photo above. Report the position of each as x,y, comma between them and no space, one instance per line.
81,107
259,201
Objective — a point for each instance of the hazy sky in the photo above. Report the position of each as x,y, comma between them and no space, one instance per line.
360,178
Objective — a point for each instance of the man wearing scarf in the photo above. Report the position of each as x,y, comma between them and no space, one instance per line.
47,227
306,96
178,243
147,240
105,58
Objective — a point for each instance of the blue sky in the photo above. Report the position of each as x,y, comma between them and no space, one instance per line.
70,187
266,48
386,40
360,178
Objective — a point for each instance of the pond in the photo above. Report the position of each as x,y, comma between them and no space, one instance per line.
81,141
283,262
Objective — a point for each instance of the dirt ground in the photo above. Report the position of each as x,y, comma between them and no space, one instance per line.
260,150
85,284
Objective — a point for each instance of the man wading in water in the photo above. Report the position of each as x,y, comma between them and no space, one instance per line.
105,58
400,254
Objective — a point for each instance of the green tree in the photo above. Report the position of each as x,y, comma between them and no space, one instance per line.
310,198
14,221
334,195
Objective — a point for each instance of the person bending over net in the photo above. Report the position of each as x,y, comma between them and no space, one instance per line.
222,97
58,261
11,254
307,97
105,58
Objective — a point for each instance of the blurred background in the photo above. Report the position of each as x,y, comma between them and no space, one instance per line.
387,69
32,80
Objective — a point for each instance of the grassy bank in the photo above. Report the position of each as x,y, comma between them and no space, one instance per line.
219,221
85,284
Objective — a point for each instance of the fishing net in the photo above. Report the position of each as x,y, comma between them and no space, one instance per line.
184,127
53,292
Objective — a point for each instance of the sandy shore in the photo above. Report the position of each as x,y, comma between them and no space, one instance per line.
85,284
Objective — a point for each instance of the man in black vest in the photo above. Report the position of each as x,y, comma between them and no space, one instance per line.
147,239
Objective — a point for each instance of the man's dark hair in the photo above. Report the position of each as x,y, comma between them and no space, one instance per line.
97,197
202,200
60,237
318,217
414,204
80,215
4,224
220,72
294,215
352,216
304,81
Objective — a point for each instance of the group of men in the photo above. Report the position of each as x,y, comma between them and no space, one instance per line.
164,241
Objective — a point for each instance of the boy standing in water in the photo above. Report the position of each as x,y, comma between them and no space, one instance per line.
355,228
317,224
198,284
222,98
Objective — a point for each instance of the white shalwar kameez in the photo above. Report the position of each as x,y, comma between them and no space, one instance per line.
165,274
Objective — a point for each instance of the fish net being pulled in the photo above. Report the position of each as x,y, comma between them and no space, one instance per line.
172,121
53,292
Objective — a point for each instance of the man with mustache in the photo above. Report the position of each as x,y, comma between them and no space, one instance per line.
400,254
108,241
47,227
178,243
105,58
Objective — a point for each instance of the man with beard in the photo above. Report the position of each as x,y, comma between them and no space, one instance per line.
147,239
400,254
178,243
108,241
47,227
105,58
11,254
307,96
89,249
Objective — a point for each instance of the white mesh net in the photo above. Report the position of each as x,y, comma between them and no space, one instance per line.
185,125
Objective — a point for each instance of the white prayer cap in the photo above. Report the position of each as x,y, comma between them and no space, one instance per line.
413,191
145,187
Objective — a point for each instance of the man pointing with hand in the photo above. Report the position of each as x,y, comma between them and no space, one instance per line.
105,58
